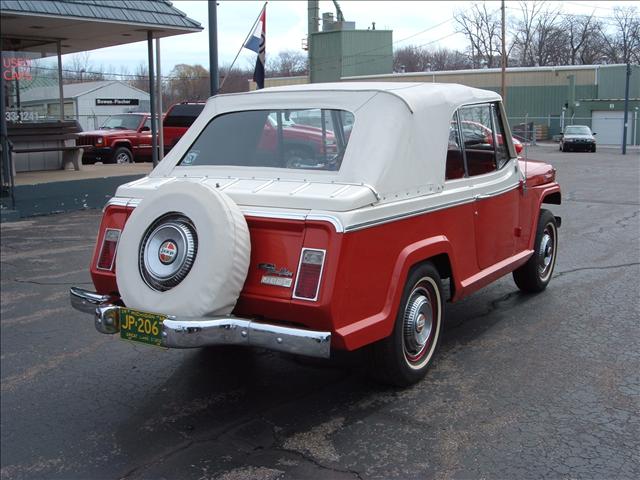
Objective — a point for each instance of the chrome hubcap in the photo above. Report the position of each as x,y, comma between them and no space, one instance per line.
122,158
546,252
167,252
418,323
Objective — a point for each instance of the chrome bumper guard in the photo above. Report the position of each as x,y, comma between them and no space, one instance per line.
193,332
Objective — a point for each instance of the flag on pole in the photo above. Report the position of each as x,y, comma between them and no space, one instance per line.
256,43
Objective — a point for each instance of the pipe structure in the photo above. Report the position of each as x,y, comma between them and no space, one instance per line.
214,77
626,111
159,103
152,101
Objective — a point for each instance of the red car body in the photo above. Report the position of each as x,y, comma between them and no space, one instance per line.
106,144
360,311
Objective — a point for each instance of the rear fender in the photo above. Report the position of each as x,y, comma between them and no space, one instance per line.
380,325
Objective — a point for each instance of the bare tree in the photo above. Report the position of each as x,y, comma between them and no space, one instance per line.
82,70
580,30
548,39
287,63
623,45
482,29
140,78
235,80
525,28
411,59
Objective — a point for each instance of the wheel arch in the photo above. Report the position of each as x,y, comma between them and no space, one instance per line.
436,250
122,143
554,198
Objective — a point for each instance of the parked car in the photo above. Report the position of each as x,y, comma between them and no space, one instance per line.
477,129
123,138
227,242
177,120
577,137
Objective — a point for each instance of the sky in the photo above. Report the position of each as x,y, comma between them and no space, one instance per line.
413,23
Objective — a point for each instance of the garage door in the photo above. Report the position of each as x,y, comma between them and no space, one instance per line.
608,125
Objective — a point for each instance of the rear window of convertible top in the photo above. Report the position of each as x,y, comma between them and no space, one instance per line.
311,139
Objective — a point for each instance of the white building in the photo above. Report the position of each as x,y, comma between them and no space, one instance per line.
91,103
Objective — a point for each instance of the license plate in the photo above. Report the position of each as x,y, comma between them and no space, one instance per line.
141,327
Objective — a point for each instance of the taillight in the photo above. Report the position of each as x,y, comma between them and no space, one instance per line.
309,274
108,250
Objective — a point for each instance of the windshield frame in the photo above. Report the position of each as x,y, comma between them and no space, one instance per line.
125,116
571,130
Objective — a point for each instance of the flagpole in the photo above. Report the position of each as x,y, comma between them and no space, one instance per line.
242,44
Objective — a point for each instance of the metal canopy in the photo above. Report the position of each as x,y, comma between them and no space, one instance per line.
83,25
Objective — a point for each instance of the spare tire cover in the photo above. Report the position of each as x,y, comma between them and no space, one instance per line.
184,251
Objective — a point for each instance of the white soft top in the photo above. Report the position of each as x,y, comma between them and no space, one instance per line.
396,150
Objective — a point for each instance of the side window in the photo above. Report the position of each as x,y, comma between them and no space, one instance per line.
502,152
455,160
476,123
147,124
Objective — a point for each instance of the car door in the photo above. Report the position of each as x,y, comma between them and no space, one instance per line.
495,182
144,138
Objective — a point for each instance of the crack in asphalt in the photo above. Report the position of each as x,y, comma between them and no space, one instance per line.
308,458
603,202
605,267
313,461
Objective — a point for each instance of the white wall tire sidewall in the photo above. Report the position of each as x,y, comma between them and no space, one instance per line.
424,361
217,276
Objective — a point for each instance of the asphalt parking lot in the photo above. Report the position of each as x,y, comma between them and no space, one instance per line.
544,386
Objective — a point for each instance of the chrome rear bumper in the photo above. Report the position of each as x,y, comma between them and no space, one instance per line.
192,332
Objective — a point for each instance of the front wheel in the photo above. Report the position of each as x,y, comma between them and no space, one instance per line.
403,358
122,155
534,276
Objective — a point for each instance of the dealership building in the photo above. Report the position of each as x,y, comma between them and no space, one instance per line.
91,103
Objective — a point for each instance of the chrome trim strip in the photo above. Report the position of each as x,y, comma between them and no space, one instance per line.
323,217
319,217
402,216
193,332
497,192
295,286
280,215
435,208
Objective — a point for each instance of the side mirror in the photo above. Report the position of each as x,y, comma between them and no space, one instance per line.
593,133
145,129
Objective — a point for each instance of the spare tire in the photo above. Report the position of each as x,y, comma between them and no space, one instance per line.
184,251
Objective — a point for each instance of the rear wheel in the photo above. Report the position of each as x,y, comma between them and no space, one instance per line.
534,276
403,358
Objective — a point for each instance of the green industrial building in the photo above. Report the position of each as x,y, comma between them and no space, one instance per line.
551,97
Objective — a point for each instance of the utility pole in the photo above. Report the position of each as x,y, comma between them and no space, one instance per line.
503,87
626,111
159,103
213,47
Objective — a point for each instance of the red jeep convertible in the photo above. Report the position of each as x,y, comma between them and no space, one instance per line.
234,240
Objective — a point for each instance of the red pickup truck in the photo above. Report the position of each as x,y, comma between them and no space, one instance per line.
124,138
